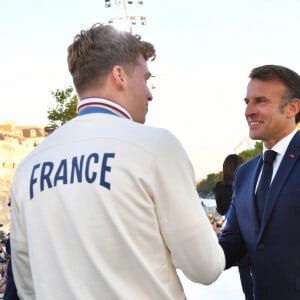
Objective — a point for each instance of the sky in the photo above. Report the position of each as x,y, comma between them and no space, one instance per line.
205,52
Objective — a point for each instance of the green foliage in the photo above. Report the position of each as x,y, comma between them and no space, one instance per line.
65,108
248,154
205,186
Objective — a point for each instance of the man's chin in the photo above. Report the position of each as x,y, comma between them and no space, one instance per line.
254,136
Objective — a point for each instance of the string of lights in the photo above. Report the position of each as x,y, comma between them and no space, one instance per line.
126,21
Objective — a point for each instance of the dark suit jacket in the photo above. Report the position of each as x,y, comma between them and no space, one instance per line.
10,289
273,247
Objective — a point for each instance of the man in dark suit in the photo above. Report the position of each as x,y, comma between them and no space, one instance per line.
271,236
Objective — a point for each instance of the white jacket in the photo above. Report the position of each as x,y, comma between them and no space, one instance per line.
106,208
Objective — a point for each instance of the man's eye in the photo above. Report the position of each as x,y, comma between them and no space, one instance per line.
261,100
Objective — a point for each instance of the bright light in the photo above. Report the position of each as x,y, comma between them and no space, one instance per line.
121,25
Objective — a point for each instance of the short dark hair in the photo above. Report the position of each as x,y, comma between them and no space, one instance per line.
94,52
287,76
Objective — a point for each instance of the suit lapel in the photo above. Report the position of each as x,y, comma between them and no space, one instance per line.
291,155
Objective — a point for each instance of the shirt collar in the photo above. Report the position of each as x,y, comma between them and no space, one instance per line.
282,145
96,105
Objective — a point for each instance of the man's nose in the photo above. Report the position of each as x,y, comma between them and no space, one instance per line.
250,109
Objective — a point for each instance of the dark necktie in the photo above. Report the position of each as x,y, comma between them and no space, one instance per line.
264,183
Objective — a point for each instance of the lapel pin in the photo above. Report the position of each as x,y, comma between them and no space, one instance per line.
291,155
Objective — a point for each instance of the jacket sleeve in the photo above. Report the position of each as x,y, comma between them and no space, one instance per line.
231,239
188,234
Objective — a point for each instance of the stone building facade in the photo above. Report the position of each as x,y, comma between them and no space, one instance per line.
15,143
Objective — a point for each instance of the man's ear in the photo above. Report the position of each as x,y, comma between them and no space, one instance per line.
119,76
294,107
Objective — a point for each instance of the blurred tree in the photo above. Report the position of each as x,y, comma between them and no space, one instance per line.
248,154
65,108
205,187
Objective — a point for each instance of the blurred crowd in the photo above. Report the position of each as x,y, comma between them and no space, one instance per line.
216,222
4,257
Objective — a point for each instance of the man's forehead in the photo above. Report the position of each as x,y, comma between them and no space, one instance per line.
266,84
268,89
